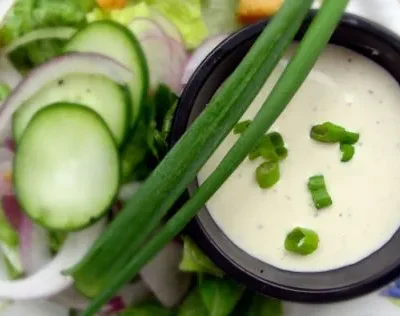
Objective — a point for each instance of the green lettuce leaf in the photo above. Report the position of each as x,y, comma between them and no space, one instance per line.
28,15
187,17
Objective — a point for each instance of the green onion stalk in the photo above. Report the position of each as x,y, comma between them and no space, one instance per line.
296,72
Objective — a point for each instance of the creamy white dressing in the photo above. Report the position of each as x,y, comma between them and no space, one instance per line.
347,89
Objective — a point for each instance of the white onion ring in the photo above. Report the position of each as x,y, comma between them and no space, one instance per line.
49,280
8,73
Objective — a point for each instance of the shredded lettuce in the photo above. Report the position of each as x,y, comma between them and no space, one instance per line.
28,15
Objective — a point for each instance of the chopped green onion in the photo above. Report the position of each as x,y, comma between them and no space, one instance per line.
302,241
282,152
269,154
276,139
4,91
295,73
267,174
316,183
319,193
332,133
321,198
241,127
254,155
347,152
350,138
327,133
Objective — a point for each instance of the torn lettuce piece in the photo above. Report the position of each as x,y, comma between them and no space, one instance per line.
220,16
187,17
194,260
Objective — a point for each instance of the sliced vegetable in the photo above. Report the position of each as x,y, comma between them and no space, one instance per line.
321,198
220,296
39,34
165,57
144,212
302,241
316,182
98,93
163,277
194,260
115,41
34,250
319,192
267,174
332,133
82,63
169,28
299,67
241,127
33,286
56,170
276,139
200,54
4,91
347,152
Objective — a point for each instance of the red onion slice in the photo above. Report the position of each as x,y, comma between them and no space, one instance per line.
200,54
49,280
169,28
56,68
165,56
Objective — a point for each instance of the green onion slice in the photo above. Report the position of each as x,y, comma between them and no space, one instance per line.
321,198
282,152
302,241
347,152
267,174
327,133
269,154
316,183
332,133
241,127
276,139
350,138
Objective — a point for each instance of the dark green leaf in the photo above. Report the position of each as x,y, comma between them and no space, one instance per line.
264,306
194,260
193,305
220,295
148,309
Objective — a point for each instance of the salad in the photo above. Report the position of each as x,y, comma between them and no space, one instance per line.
120,63
88,92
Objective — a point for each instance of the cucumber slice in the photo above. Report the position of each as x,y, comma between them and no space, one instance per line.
66,168
117,42
102,95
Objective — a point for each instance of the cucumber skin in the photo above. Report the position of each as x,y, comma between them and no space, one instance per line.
140,60
112,202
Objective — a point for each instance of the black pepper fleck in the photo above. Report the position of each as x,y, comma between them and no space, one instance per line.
349,60
61,82
341,215
370,91
378,122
